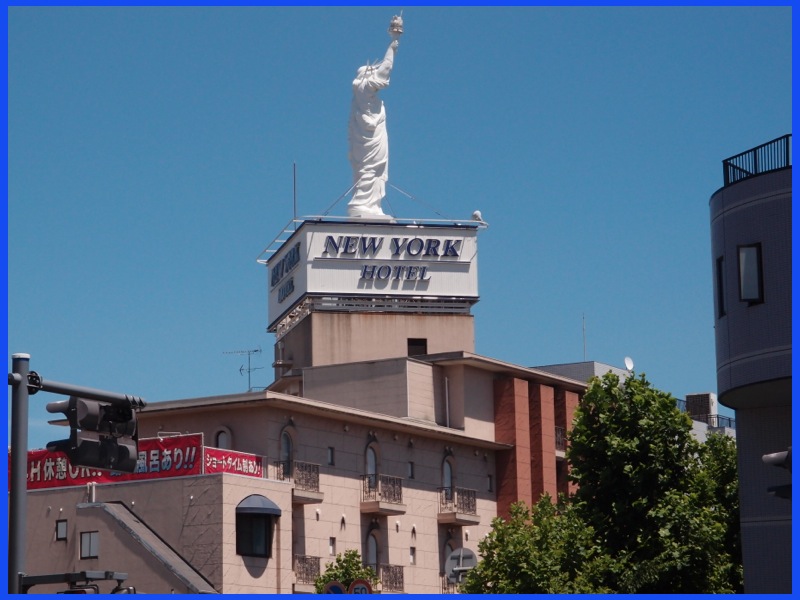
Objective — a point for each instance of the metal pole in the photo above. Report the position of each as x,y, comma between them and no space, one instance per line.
68,389
19,470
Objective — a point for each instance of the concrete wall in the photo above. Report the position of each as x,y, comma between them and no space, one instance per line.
325,338
195,516
379,386
257,430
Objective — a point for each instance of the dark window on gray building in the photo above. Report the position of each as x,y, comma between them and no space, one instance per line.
751,283
720,281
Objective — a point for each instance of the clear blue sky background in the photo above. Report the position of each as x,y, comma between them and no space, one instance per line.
151,151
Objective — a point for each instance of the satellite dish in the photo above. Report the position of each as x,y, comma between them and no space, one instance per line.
459,562
629,363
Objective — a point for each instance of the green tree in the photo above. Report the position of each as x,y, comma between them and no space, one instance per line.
641,489
345,569
719,481
545,549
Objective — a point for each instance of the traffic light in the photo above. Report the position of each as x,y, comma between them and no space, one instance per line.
784,461
103,435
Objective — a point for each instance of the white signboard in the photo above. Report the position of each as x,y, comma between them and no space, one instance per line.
376,259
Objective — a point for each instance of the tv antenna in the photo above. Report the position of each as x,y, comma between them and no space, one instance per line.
249,369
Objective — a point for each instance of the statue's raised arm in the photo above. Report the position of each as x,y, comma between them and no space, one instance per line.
369,142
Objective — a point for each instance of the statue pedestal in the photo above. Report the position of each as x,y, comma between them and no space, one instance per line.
372,217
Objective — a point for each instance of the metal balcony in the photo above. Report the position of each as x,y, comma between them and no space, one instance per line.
304,476
390,577
382,494
306,569
458,506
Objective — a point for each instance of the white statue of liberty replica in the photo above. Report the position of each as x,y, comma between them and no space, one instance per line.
369,141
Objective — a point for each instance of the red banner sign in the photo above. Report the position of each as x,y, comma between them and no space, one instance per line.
174,456
228,461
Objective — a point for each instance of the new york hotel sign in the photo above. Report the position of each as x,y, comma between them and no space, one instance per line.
373,259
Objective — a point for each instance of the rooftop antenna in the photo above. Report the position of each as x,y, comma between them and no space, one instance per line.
249,368
583,315
294,195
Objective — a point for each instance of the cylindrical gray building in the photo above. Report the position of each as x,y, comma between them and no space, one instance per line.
751,244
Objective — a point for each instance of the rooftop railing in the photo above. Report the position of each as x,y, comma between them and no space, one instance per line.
710,420
771,156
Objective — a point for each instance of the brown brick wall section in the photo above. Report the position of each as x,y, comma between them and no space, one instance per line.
511,426
543,441
565,405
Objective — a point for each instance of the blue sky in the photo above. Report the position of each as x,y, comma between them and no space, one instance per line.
150,155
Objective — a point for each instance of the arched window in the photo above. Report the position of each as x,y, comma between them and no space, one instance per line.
372,555
223,439
447,549
287,453
371,467
447,479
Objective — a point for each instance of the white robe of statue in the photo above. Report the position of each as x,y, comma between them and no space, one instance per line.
369,141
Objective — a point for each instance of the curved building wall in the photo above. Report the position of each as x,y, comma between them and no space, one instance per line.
754,362
753,339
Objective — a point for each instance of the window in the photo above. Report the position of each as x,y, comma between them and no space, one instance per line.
61,529
90,544
332,546
447,479
412,555
489,483
720,280
223,439
372,551
254,535
331,455
255,518
371,467
410,469
287,451
417,346
751,285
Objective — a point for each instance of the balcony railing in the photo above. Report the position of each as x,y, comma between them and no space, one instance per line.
448,587
710,420
306,568
561,439
391,577
304,475
384,488
771,156
460,500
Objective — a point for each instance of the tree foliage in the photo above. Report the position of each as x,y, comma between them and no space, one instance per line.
643,489
545,549
655,511
345,569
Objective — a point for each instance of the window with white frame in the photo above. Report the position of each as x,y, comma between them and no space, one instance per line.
90,544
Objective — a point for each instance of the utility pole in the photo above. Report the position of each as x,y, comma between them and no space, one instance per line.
18,478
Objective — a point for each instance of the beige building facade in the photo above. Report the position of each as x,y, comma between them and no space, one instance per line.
383,432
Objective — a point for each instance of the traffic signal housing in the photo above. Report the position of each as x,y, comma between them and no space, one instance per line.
103,435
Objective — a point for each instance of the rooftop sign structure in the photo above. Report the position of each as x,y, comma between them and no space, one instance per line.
371,261
373,265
